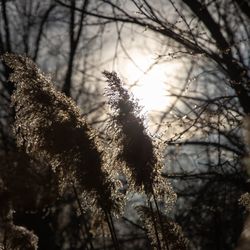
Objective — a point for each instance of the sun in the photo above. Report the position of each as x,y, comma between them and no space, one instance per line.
147,81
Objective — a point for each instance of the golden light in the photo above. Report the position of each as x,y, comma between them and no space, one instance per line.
148,81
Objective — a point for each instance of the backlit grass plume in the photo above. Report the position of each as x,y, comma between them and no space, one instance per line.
168,230
136,153
13,237
50,127
19,238
135,146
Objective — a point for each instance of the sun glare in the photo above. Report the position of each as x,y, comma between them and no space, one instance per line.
147,81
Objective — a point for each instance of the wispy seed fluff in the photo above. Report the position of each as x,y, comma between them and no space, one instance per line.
49,126
19,238
13,237
135,145
169,230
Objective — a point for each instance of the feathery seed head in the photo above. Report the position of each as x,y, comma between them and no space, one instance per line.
136,151
136,148
49,126
169,230
18,238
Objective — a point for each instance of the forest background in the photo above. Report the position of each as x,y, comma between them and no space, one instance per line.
187,65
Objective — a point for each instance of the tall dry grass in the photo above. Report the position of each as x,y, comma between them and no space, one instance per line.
50,128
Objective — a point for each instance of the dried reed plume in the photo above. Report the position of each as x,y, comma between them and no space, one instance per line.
136,153
245,198
49,126
169,230
19,238
245,201
136,148
13,237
